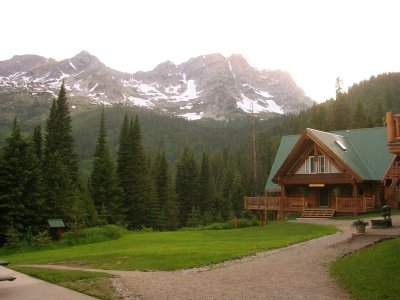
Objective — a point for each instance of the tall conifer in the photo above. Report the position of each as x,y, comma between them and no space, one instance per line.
140,206
21,189
103,183
64,189
186,184
38,142
204,196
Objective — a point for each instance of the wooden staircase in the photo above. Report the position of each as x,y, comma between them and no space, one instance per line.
326,213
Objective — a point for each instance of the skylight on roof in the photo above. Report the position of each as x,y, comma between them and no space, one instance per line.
344,148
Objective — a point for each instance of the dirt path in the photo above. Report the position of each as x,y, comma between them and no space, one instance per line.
296,272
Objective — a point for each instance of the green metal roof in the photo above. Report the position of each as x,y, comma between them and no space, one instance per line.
286,145
56,223
365,152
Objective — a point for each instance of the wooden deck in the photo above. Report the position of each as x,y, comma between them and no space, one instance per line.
340,204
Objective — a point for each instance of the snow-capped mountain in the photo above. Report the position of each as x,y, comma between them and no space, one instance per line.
209,86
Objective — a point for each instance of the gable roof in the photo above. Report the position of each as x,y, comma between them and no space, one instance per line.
55,223
364,151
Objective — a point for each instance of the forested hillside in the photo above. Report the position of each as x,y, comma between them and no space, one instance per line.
190,172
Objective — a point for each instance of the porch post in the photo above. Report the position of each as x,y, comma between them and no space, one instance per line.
281,200
355,197
266,216
364,204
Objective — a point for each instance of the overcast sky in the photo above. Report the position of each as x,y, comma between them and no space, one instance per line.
315,40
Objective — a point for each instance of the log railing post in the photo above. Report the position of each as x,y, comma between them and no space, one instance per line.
391,130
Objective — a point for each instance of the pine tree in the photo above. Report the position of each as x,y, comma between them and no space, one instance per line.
340,119
195,218
204,196
124,165
186,184
237,194
134,175
319,117
172,207
38,142
162,190
21,188
103,182
379,115
360,120
64,193
140,181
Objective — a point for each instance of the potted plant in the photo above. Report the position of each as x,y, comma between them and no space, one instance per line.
360,225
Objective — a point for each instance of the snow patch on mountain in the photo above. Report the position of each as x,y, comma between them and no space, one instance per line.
192,116
258,105
273,107
72,65
93,88
141,102
189,94
209,86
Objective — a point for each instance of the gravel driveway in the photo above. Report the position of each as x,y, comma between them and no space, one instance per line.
299,271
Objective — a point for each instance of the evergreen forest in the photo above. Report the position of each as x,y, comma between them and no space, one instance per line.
143,169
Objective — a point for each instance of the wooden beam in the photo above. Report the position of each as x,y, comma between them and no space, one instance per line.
328,178
391,129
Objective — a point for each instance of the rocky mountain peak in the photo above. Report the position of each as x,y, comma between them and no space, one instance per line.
84,60
239,63
210,86
20,63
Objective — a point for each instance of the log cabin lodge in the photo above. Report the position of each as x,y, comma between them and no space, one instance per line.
320,174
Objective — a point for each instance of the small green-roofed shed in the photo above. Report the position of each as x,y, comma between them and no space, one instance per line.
56,228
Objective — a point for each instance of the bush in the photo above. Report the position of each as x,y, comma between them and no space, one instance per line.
241,223
293,215
195,218
92,235
41,240
13,238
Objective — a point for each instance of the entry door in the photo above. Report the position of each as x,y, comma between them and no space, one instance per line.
323,197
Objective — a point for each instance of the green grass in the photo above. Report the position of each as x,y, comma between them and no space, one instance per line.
175,250
371,273
95,284
373,214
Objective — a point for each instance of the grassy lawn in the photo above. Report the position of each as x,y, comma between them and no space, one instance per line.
175,250
372,273
95,284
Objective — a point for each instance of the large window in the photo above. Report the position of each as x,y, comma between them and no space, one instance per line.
311,165
319,165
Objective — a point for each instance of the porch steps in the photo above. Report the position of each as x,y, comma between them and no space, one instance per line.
326,213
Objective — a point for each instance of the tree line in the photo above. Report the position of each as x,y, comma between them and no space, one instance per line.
178,173
40,180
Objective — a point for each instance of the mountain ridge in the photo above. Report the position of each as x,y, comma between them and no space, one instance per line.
208,86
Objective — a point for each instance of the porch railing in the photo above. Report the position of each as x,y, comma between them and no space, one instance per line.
261,203
341,204
294,202
359,204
